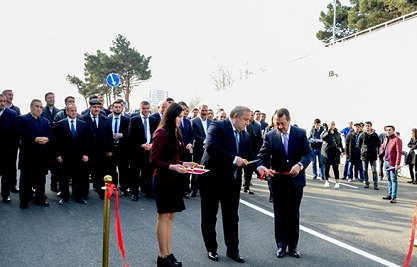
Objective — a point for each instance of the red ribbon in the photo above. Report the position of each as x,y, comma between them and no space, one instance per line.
413,232
110,189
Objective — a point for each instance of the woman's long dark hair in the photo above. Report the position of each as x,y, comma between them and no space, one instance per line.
168,122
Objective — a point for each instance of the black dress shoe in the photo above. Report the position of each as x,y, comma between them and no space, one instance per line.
54,189
123,191
248,191
387,197
236,257
81,201
135,197
62,201
213,256
167,262
6,200
42,203
294,253
173,259
15,189
280,252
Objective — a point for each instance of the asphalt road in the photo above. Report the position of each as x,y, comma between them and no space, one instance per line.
350,226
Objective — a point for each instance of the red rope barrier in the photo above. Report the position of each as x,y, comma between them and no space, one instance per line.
413,233
110,189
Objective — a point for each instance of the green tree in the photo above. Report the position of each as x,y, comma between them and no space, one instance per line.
132,67
126,61
368,13
361,15
341,29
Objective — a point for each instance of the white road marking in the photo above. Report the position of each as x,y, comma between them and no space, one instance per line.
332,181
327,238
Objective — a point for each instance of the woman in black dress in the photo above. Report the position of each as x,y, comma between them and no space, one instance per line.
167,147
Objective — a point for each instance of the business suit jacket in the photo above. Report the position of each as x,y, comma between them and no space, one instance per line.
221,184
71,149
136,133
272,153
123,129
157,116
199,137
48,115
34,156
254,130
16,109
221,151
287,191
8,134
101,137
188,137
9,139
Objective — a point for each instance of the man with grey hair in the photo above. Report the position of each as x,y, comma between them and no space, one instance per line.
228,150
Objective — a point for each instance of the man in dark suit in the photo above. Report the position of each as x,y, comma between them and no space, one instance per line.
200,125
254,130
9,101
141,129
284,156
10,144
62,114
8,93
35,154
120,162
49,112
71,144
228,150
161,109
188,138
101,145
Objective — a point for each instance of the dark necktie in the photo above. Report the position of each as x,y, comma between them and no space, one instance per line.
95,122
115,125
72,128
145,127
286,143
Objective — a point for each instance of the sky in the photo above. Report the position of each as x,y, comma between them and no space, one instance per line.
44,41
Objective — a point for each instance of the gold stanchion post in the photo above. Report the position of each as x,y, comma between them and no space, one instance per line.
106,222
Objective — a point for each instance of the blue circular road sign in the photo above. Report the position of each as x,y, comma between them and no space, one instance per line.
113,80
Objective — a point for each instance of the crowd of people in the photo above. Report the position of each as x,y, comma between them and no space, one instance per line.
364,151
151,155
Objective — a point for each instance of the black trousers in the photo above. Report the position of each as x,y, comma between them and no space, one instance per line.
7,173
141,175
120,168
99,166
226,192
76,171
286,201
31,177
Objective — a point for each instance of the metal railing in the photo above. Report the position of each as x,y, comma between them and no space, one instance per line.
375,28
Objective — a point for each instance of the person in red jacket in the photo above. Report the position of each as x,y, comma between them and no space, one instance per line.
391,152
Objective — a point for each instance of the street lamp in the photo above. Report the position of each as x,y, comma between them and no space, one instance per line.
334,21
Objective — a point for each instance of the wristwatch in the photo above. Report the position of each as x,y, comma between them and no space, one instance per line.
301,165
